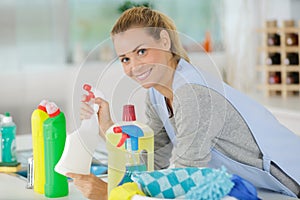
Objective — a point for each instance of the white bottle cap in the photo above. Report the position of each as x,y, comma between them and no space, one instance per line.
42,105
6,118
52,109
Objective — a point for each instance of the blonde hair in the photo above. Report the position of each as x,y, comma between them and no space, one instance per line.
155,21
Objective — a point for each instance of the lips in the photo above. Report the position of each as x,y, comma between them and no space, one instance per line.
143,75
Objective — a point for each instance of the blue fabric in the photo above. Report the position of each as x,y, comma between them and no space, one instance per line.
194,183
214,186
242,189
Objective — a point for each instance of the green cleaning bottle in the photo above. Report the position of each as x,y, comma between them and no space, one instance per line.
56,185
8,130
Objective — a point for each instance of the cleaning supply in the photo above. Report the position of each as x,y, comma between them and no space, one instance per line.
30,173
194,183
38,117
136,155
81,144
0,142
8,130
125,191
134,161
169,183
56,185
10,167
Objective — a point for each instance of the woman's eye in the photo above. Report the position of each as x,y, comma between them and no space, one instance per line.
124,60
141,52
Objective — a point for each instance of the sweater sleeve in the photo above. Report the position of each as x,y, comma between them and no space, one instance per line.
199,117
162,144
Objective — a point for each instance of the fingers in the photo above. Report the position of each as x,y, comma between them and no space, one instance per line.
86,111
90,186
74,176
100,101
82,177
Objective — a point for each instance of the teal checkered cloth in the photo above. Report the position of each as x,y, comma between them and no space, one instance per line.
187,183
168,183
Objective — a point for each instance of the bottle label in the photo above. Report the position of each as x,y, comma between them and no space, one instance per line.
13,150
0,146
8,144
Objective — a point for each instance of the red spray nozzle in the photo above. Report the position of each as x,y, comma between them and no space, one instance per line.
129,131
87,87
118,129
91,95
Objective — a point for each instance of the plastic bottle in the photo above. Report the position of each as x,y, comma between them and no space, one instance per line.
8,130
38,117
0,143
81,144
56,185
134,159
136,155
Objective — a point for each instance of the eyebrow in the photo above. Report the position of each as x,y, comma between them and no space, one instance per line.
123,55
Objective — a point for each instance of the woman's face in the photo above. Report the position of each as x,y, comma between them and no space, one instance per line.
143,58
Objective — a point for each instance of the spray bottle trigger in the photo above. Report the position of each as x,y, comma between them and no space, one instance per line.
90,95
123,139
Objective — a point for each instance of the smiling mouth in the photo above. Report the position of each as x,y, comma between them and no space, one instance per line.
144,75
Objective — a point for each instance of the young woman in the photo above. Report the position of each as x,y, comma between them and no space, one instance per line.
197,119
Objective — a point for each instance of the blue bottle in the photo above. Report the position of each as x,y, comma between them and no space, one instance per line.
8,130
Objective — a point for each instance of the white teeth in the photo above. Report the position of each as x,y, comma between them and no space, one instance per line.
144,75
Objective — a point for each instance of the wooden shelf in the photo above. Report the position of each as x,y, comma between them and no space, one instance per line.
279,72
292,68
290,49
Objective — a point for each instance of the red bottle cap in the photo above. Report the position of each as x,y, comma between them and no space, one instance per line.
52,109
128,113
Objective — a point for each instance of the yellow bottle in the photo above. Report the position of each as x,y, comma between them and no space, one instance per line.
37,119
120,158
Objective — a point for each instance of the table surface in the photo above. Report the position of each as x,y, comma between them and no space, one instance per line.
13,187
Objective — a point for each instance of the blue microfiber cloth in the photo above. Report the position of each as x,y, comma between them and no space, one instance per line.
213,186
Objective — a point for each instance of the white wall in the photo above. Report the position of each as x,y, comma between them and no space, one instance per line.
21,92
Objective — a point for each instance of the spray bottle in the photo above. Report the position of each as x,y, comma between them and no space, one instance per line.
38,117
8,130
134,161
56,185
136,155
81,144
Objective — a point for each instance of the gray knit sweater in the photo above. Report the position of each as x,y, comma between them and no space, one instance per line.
204,119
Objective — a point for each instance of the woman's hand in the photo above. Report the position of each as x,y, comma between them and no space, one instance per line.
90,186
86,111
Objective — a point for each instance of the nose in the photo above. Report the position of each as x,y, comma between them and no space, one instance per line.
134,64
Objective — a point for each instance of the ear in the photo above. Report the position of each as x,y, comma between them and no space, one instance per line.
165,40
